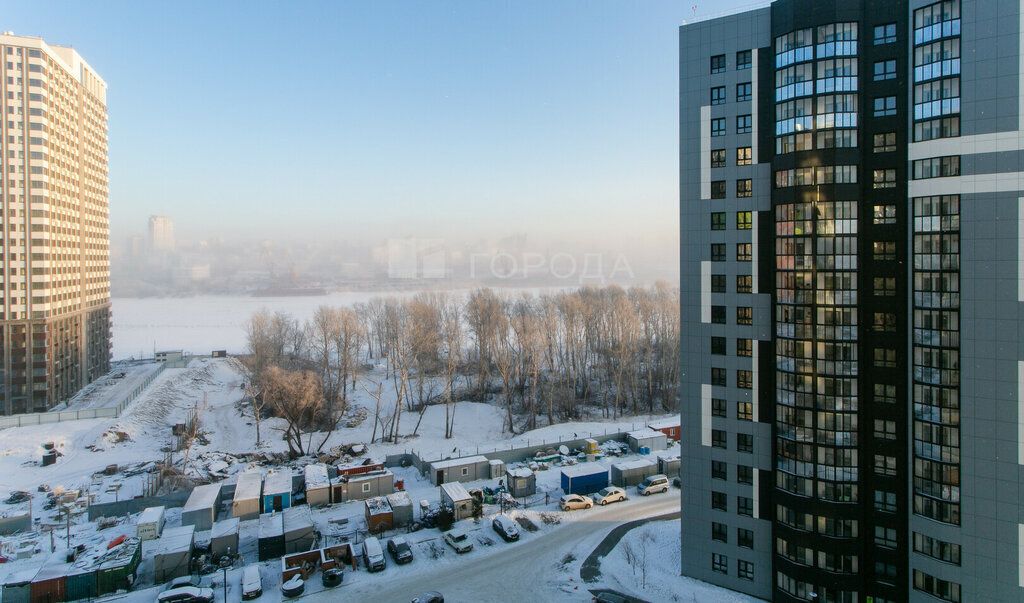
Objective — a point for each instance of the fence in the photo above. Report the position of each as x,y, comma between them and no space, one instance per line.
136,505
504,454
107,412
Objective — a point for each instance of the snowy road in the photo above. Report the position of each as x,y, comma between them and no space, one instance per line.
527,570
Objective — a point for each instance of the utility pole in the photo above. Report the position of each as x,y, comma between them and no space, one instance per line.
225,561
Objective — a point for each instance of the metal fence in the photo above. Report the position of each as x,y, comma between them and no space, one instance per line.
107,412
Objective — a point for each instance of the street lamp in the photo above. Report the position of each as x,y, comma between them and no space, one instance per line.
225,561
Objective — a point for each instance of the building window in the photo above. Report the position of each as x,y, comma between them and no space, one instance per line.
718,438
745,506
744,315
743,59
718,189
743,124
885,571
885,537
718,406
885,357
719,563
885,214
885,178
744,474
745,411
885,501
744,442
718,63
718,158
744,347
942,589
744,283
885,70
885,430
718,346
718,283
718,251
883,322
885,465
946,127
745,538
743,252
718,376
885,142
937,549
718,126
718,95
366,487
718,501
743,91
884,34
744,188
743,220
719,470
884,106
745,569
884,250
718,315
744,379
742,156
718,220
937,167
719,532
884,286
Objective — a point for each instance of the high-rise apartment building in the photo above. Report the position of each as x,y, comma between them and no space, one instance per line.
161,233
852,265
54,268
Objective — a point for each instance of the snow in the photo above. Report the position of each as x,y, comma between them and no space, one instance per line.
271,525
175,540
316,476
636,464
249,485
584,470
469,460
664,424
225,527
151,515
378,505
278,482
645,433
455,491
519,472
202,497
661,541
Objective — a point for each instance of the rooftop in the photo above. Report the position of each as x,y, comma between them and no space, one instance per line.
202,497
278,482
455,491
466,460
584,469
249,485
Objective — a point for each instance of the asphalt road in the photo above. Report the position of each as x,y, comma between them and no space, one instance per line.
526,570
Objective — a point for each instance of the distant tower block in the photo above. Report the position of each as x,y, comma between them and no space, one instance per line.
161,233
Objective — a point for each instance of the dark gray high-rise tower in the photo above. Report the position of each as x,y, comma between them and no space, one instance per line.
852,266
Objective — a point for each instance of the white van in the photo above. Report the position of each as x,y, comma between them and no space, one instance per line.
373,555
252,583
653,484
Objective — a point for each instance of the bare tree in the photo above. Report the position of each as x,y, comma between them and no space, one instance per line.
451,327
298,399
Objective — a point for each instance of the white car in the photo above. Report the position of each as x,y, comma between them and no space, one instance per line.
458,540
252,583
653,485
609,495
186,594
570,502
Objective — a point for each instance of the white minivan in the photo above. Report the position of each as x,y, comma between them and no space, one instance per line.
373,555
252,583
653,484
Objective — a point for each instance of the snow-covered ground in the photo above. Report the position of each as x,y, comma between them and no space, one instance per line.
660,541
544,564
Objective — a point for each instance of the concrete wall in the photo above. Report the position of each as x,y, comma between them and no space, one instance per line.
137,505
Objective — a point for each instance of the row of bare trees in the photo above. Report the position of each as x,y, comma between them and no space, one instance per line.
553,355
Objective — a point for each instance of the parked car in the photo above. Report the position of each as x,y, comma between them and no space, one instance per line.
678,483
653,484
332,577
400,550
570,502
609,495
458,540
429,597
181,581
373,555
186,594
252,583
506,527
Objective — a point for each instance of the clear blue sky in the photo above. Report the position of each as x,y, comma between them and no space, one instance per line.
353,116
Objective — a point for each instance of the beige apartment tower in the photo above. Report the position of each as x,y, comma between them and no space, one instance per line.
55,264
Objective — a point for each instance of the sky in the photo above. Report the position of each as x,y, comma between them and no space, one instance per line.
343,120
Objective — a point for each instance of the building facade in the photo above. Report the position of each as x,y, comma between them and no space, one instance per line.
854,425
54,269
161,233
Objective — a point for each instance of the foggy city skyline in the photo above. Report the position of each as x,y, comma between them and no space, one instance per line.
465,122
